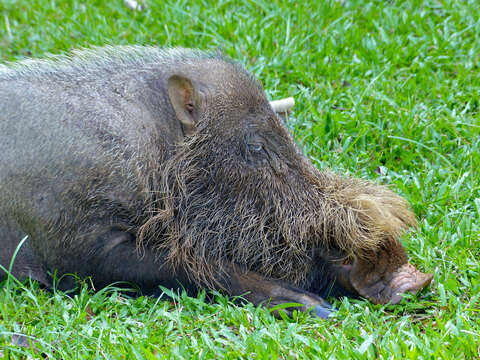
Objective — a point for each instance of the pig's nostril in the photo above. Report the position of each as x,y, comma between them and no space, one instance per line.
408,279
383,287
422,281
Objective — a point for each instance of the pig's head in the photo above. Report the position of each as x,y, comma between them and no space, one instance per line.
239,190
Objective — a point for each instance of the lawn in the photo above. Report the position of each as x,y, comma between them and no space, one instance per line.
387,91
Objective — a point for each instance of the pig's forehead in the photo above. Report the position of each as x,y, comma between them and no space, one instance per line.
232,89
227,78
243,107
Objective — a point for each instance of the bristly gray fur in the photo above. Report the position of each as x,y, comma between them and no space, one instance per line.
101,59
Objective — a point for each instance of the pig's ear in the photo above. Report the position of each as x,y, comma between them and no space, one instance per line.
185,100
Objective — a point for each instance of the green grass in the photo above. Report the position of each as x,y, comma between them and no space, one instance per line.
387,91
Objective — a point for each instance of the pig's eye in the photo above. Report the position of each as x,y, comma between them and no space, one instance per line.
255,147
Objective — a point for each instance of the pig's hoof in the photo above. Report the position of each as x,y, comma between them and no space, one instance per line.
321,311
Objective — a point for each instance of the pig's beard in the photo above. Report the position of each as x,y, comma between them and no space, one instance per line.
207,214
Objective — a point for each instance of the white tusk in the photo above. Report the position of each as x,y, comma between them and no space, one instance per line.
282,105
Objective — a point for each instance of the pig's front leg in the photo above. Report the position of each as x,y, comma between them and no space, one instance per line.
114,257
269,292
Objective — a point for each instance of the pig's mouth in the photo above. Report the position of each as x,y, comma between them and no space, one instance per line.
381,281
